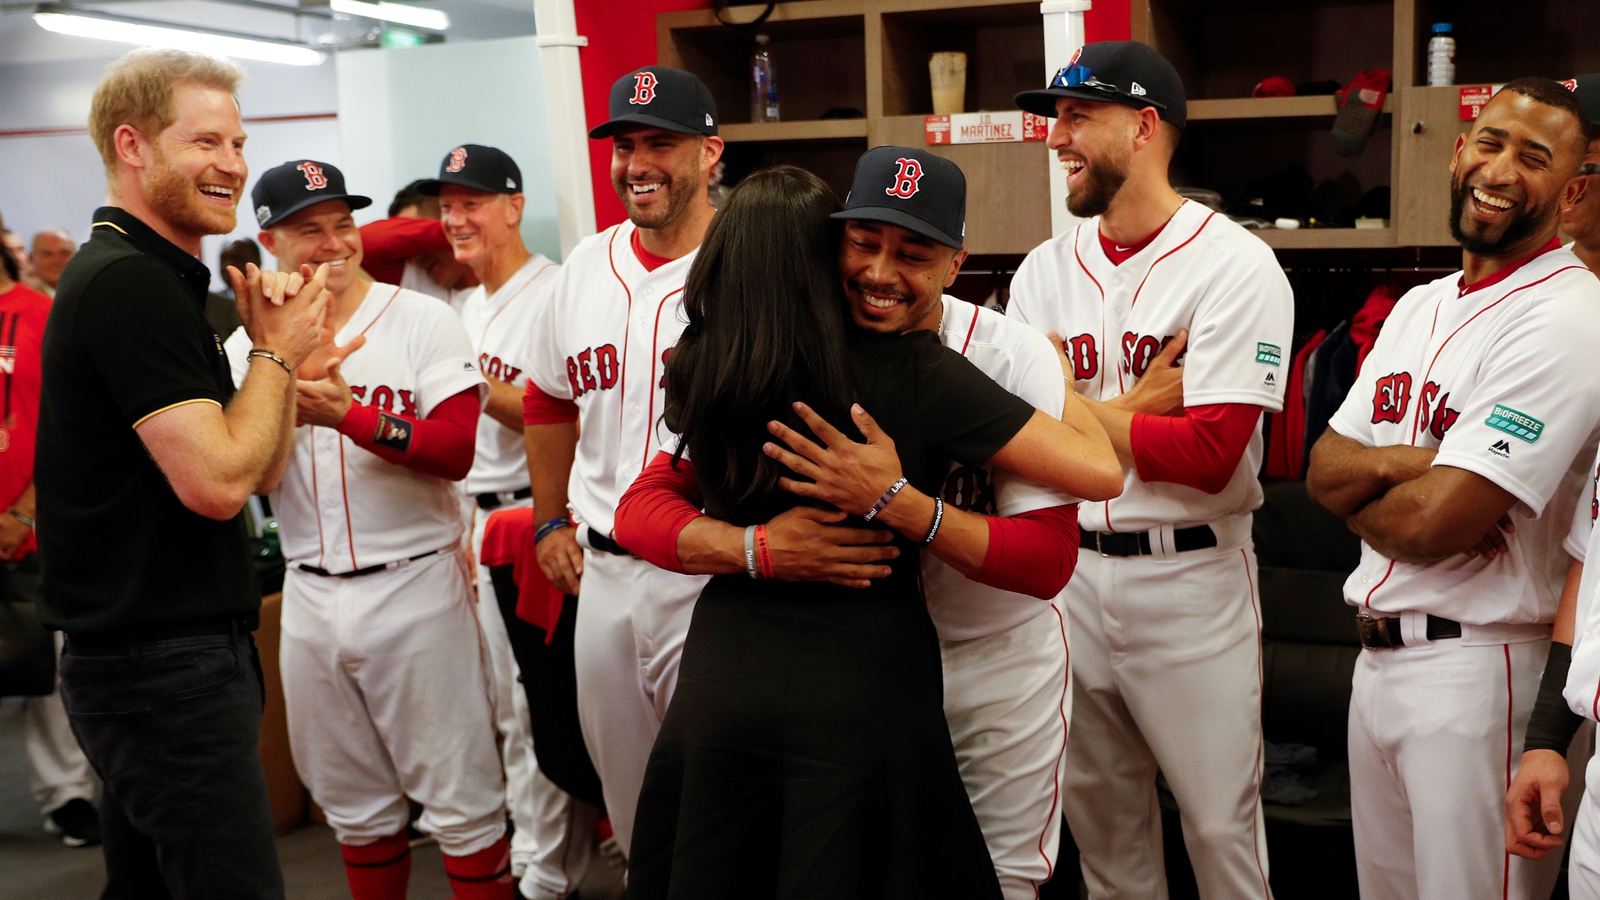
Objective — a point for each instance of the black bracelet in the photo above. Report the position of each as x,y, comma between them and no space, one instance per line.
1552,723
544,530
938,519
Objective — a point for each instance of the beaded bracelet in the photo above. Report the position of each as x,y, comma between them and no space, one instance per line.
544,530
751,565
938,519
884,500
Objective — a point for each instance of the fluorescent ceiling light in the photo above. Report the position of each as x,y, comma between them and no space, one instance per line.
416,16
127,31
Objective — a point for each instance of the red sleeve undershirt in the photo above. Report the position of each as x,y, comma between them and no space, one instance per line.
655,509
387,243
539,408
1200,449
1031,553
441,445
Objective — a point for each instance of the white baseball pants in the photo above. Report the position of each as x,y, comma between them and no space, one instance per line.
628,640
1583,868
383,677
61,773
1166,670
1436,731
1008,699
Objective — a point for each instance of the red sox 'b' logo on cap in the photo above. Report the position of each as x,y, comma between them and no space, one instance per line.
1570,84
315,180
458,160
644,89
905,180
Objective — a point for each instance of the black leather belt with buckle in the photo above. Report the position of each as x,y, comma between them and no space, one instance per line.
368,570
1383,632
1137,543
493,501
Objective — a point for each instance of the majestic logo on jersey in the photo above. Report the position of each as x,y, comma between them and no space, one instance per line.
315,180
493,367
1270,354
1501,449
1517,424
1433,414
383,397
1084,355
392,432
905,180
1391,397
644,89
458,160
594,369
970,489
1138,350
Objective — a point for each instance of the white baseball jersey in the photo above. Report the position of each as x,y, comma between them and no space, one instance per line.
341,508
1583,678
602,340
1499,380
498,327
1583,517
1021,360
1203,273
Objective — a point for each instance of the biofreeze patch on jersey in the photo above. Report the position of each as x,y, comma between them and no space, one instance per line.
1271,354
1519,425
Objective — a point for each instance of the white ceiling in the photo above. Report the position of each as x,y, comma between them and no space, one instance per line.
22,41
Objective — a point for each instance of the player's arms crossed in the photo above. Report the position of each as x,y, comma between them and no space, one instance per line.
1434,517
1346,475
215,458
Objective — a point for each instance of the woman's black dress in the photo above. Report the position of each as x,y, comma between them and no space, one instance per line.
806,753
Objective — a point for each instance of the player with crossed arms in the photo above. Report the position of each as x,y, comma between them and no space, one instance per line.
1477,406
599,347
1166,628
383,678
481,204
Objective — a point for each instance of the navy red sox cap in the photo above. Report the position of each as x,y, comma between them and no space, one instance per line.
911,188
475,166
284,190
659,97
1587,89
1126,72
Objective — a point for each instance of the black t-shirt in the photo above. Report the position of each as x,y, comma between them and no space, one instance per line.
937,407
127,338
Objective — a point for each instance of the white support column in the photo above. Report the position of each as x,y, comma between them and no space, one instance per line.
569,138
1063,37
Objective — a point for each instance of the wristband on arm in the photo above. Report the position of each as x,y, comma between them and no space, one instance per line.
1553,723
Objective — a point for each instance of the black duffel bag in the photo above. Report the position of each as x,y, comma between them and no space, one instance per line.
27,648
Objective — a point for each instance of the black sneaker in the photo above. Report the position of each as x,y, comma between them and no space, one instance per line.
77,822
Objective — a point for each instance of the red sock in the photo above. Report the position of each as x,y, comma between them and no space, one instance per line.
379,870
485,875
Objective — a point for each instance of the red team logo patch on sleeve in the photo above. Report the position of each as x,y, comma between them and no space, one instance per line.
644,89
905,180
458,160
315,180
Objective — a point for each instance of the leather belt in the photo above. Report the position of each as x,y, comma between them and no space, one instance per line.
368,570
1137,543
492,501
1383,632
604,544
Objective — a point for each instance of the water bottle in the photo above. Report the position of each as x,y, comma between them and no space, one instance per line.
763,83
1441,56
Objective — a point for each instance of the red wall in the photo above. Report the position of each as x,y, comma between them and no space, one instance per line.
622,37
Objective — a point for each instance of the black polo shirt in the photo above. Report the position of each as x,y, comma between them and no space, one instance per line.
127,338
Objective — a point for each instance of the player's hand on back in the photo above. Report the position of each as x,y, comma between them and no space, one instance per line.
286,310
1159,391
840,472
561,559
1534,821
806,545
324,402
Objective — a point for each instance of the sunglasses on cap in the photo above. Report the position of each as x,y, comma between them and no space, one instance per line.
1078,75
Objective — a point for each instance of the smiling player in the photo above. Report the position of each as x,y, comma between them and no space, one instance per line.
1477,406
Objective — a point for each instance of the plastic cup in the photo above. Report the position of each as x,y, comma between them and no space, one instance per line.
947,71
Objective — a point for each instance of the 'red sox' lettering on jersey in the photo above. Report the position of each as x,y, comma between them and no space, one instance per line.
1391,394
498,369
592,369
384,397
1084,355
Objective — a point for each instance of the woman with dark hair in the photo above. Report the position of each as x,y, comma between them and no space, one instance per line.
805,753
